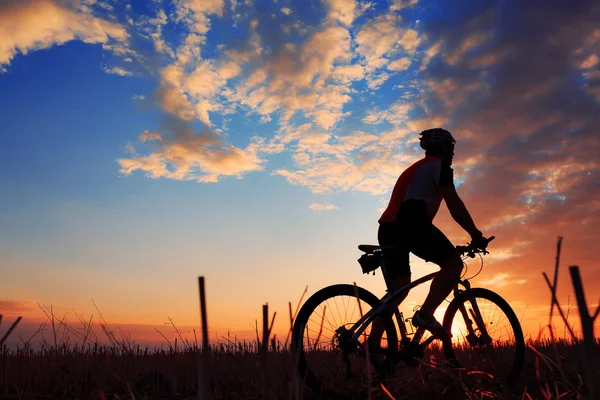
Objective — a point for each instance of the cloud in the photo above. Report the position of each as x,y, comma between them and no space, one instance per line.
195,13
377,39
348,73
400,4
16,307
396,114
38,24
468,44
409,41
188,155
463,74
323,207
375,81
342,10
149,136
311,78
401,64
118,71
529,132
357,161
502,279
153,27
295,78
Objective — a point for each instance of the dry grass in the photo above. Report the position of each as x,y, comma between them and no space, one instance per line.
75,366
131,371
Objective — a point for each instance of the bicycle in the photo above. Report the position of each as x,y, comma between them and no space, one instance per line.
468,318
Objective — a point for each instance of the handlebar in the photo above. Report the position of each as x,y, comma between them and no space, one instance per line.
471,251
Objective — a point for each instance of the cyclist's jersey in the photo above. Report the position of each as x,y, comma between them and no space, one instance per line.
420,181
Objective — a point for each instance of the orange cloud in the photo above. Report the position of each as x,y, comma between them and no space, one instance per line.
37,24
378,38
342,10
195,13
17,307
192,156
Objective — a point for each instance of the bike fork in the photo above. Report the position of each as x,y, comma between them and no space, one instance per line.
474,317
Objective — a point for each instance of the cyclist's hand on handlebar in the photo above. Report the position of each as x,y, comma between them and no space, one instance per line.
479,242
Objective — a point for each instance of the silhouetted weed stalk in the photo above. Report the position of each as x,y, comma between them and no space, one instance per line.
75,364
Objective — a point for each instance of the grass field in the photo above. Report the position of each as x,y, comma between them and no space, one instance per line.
76,366
237,372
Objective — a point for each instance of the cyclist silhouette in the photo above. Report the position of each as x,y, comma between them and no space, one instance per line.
407,225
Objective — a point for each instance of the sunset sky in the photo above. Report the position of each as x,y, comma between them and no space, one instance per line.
256,143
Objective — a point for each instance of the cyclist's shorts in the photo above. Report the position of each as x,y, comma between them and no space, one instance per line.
414,233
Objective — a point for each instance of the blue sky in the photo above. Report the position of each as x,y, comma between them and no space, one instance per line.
257,142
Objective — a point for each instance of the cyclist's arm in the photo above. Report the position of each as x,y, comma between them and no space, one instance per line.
458,210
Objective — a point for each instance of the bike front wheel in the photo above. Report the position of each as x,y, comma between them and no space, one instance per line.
486,335
329,360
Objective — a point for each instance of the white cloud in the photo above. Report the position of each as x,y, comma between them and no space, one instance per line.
323,207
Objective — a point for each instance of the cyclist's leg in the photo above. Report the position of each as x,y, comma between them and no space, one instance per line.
379,326
436,247
396,273
443,284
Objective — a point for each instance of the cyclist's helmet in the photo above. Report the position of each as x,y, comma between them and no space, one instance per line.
436,136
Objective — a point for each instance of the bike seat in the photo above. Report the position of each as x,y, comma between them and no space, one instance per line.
370,248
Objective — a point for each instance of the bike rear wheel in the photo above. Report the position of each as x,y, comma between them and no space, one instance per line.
486,333
328,360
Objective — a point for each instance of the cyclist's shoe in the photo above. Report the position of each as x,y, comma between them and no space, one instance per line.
422,320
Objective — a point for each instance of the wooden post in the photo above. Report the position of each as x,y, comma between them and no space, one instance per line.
5,337
264,349
204,355
555,282
587,327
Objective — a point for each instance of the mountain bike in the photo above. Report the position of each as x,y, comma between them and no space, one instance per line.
330,332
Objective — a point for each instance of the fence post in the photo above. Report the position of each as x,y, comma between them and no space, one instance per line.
204,356
9,331
264,349
587,327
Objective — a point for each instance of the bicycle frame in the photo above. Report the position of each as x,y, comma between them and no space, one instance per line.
359,326
367,318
